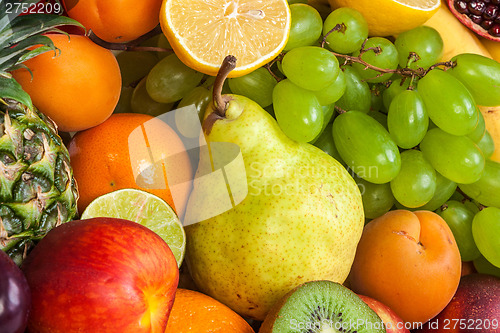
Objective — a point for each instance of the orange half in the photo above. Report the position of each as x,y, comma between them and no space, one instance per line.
203,32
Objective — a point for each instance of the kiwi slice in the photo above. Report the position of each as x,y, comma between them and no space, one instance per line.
321,307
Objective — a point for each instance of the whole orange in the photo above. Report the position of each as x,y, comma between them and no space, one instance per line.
131,150
198,313
115,21
78,87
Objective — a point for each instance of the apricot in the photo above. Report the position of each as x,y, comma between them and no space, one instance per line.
408,261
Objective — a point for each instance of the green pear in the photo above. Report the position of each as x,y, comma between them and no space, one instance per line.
301,219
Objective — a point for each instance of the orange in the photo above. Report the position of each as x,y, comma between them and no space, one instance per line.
391,17
130,150
198,313
115,21
203,33
78,87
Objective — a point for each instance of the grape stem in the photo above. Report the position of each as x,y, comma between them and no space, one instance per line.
132,45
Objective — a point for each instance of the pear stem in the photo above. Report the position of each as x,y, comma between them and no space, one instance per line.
228,64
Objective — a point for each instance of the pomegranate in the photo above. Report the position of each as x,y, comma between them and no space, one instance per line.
481,16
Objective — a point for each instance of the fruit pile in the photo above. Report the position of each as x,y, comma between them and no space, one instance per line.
249,166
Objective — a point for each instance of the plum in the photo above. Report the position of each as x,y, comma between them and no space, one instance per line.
15,296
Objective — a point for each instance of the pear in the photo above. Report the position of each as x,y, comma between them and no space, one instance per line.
301,219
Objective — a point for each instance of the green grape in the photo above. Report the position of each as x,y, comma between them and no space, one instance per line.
481,76
415,183
332,92
444,190
326,144
472,205
163,43
257,85
394,89
357,95
425,41
379,116
459,219
352,33
456,157
134,65
486,232
298,111
477,134
379,52
141,102
328,111
377,198
376,103
487,189
407,119
292,2
306,26
199,97
487,145
123,105
449,104
366,147
483,266
170,80
310,67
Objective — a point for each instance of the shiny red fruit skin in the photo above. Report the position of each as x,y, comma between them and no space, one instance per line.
474,308
465,20
99,275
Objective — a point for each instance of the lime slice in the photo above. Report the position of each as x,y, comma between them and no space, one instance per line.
144,208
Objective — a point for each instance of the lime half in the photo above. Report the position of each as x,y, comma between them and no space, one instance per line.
146,209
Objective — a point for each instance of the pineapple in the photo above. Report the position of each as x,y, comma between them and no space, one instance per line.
37,188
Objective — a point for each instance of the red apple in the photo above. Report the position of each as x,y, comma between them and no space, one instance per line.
101,275
393,323
474,308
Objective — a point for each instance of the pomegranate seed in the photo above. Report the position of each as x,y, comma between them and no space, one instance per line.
490,12
476,7
476,19
461,7
495,2
487,24
495,30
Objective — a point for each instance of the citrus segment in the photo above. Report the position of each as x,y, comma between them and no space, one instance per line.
146,209
203,32
391,17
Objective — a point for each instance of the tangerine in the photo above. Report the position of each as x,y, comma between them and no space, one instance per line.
78,87
131,150
196,312
115,21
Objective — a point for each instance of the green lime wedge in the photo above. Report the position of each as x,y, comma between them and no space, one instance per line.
144,208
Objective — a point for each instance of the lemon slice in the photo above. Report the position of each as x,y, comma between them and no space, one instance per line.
203,32
391,17
146,209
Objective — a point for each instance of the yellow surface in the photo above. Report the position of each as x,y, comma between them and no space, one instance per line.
457,38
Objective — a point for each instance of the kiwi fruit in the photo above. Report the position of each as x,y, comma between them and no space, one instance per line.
321,307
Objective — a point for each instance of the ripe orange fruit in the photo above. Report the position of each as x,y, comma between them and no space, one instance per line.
198,313
119,153
115,21
77,88
253,31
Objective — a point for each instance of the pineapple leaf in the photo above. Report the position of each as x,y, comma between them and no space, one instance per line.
20,52
29,25
10,88
9,13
